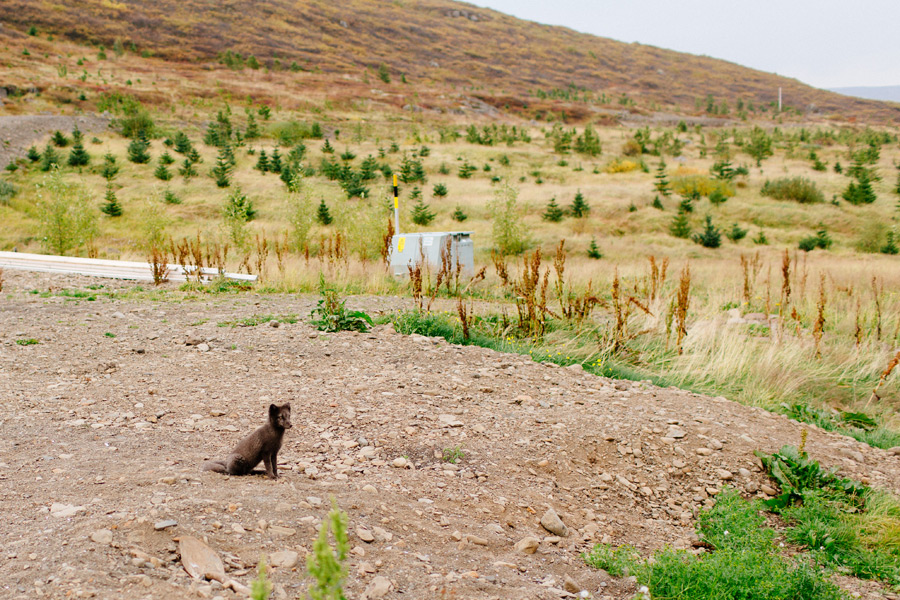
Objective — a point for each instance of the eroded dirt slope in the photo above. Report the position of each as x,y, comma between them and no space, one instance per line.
111,414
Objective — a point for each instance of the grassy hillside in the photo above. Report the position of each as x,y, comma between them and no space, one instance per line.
503,60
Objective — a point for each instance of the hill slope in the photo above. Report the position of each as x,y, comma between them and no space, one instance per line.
430,41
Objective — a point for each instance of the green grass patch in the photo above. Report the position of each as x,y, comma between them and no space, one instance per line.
218,286
109,335
842,523
255,320
27,342
77,294
744,563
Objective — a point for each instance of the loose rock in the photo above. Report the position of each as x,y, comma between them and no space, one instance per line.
552,523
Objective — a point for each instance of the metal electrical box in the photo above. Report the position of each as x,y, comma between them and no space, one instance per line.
408,249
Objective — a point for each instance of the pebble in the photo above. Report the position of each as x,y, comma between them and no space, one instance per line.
724,475
528,545
570,585
365,535
853,454
400,463
286,559
768,490
281,531
63,511
160,525
552,523
204,347
714,444
102,536
704,451
369,488
379,588
675,432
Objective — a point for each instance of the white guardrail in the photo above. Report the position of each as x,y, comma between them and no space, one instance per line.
95,267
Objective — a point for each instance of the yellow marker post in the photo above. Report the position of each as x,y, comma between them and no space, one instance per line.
396,207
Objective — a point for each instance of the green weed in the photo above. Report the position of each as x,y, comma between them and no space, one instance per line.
254,320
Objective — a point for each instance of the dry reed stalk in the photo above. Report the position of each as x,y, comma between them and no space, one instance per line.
415,283
884,375
245,263
386,241
529,304
876,292
619,331
858,333
281,249
681,308
1,280
463,313
769,291
785,281
479,276
745,270
559,265
819,327
500,266
159,267
262,254
804,273
196,251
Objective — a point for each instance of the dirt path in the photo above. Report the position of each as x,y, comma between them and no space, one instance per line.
116,407
19,132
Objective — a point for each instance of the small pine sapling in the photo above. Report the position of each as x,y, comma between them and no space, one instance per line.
554,212
761,239
166,158
327,148
78,157
111,206
594,250
262,163
138,149
580,208
187,169
109,169
657,204
421,214
440,190
736,233
710,237
33,154
662,182
717,197
59,139
49,158
323,215
275,165
162,172
458,215
680,226
890,245
686,205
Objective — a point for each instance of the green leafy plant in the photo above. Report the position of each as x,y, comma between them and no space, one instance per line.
326,563
27,342
331,314
453,455
820,240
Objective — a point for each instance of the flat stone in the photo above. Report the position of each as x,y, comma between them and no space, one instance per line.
675,432
704,451
714,444
768,490
724,474
160,525
64,511
570,585
286,559
365,535
102,536
379,588
528,545
281,531
199,560
369,488
552,523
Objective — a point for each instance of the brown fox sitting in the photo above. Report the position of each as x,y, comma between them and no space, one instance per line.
261,445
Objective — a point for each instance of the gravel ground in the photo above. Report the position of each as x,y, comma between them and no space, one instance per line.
17,133
104,424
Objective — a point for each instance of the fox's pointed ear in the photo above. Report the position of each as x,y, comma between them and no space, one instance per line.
287,406
273,411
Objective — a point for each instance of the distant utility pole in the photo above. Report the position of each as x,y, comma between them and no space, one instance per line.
779,99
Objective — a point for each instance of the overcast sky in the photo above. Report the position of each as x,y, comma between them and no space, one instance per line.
825,43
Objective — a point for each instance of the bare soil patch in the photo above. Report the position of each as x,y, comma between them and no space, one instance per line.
114,410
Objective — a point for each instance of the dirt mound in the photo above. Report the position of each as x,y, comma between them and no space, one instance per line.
17,133
105,422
